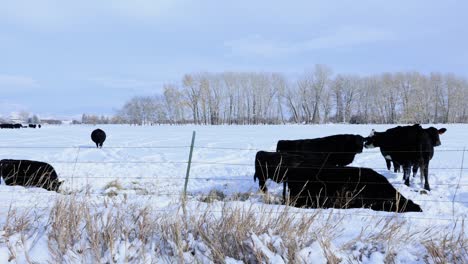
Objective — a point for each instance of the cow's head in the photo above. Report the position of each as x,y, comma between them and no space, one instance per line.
372,140
434,135
54,185
276,169
359,143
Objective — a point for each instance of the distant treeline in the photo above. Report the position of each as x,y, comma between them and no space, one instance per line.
315,97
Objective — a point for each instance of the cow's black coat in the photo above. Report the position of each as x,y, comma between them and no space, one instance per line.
336,150
274,166
29,173
345,187
98,136
408,146
10,126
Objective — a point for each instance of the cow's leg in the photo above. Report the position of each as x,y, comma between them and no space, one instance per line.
406,173
396,167
97,145
284,192
425,171
263,186
415,170
389,165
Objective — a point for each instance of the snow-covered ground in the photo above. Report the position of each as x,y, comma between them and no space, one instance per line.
149,164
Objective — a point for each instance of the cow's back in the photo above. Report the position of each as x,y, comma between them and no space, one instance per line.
98,136
345,187
26,172
335,150
402,143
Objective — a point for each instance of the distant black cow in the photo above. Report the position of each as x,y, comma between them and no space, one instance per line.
98,136
32,125
408,146
336,150
274,166
345,187
8,126
29,173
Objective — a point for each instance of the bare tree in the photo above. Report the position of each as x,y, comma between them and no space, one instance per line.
192,92
314,97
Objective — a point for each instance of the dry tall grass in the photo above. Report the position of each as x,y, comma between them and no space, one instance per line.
115,230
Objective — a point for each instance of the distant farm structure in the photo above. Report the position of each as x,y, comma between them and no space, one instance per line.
51,121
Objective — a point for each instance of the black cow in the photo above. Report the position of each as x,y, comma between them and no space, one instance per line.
274,166
396,165
32,125
345,187
336,150
29,173
7,126
98,136
408,146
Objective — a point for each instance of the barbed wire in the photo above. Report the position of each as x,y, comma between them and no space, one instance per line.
328,152
438,149
93,147
214,163
248,178
296,211
132,192
230,164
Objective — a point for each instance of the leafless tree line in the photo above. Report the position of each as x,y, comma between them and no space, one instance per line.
317,96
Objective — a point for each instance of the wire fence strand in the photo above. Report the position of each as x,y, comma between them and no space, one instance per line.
77,162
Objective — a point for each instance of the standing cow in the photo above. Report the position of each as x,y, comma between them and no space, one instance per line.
408,146
29,173
98,136
336,150
396,166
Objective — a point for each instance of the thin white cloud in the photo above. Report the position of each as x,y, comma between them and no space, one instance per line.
17,82
126,84
340,38
347,36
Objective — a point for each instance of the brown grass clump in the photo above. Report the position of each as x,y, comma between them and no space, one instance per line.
115,230
451,247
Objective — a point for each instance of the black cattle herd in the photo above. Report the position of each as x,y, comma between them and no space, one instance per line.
17,126
314,171
316,174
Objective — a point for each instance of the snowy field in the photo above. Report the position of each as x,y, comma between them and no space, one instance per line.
147,166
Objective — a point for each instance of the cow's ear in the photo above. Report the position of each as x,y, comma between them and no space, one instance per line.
442,130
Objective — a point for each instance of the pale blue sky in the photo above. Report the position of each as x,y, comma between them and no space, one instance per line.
64,58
